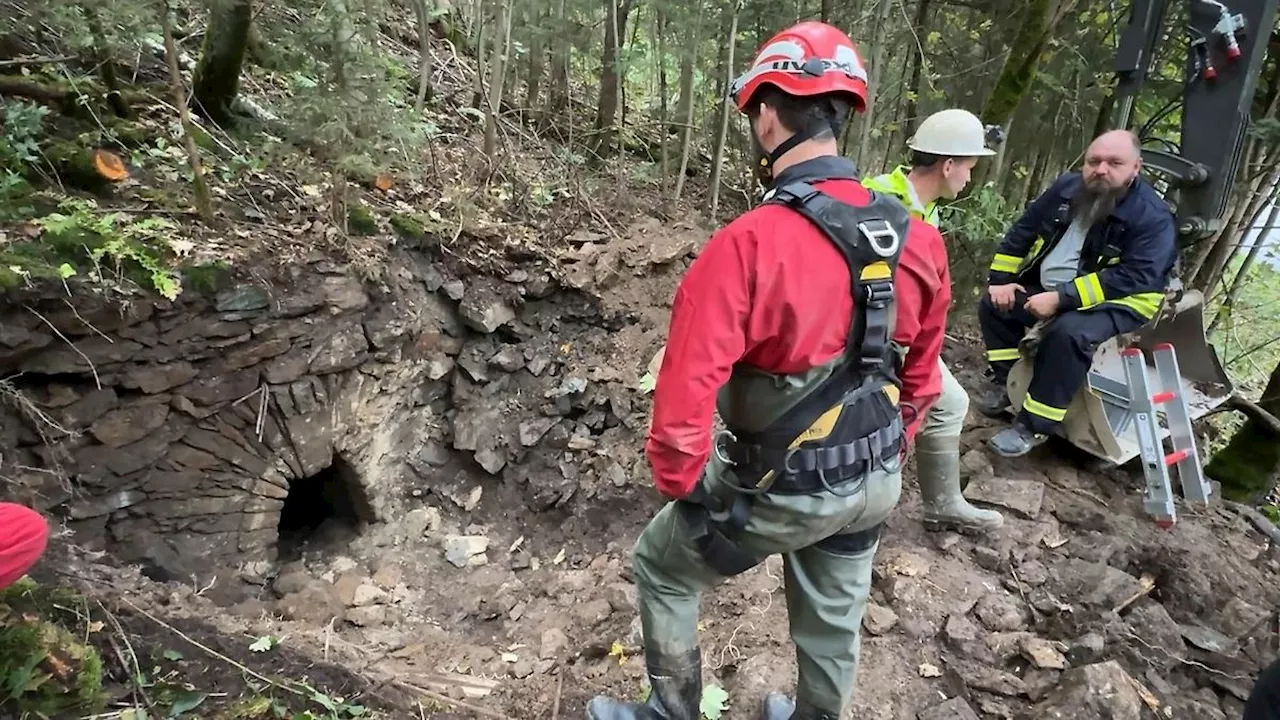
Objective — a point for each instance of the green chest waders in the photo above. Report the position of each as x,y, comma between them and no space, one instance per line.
846,425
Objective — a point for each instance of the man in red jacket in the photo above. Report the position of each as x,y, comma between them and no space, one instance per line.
818,319
23,535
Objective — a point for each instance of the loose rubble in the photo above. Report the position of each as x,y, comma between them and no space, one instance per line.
485,433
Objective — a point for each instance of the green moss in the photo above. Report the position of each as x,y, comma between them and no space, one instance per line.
1247,466
208,278
249,709
45,669
203,139
409,227
360,221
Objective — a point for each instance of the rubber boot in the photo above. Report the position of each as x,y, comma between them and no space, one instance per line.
675,692
780,707
992,398
945,508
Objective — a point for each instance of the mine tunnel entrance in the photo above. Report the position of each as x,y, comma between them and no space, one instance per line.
323,510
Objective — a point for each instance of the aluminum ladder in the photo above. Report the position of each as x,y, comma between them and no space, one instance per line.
1145,405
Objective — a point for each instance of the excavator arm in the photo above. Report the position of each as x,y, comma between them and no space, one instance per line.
1225,54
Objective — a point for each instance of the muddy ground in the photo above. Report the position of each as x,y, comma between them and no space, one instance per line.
484,600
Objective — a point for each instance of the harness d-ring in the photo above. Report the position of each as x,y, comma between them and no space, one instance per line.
717,446
786,462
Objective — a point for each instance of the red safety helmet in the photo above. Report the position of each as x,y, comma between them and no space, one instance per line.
811,58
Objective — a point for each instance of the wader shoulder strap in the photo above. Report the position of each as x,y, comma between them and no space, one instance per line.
870,238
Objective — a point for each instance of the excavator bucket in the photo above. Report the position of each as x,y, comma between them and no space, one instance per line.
1098,419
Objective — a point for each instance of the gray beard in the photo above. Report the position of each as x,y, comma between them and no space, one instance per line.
1091,205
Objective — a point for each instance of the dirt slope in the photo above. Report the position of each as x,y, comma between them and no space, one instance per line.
508,591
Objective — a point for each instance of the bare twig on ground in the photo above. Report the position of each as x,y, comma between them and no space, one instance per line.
1146,584
1079,491
136,671
1257,519
450,701
555,706
1255,412
1191,663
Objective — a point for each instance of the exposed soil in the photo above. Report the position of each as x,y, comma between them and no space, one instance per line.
481,483
484,591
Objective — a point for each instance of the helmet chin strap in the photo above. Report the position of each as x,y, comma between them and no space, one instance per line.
765,171
814,129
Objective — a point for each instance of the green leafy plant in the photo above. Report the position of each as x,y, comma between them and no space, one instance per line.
117,247
20,132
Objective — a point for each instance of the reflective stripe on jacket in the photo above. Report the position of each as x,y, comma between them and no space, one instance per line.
897,185
1126,259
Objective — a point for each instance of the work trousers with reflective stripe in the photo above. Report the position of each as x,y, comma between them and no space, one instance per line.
827,554
1063,356
945,418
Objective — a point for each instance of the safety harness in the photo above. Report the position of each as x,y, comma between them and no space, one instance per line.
849,424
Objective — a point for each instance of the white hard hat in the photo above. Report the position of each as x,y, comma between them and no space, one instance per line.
951,133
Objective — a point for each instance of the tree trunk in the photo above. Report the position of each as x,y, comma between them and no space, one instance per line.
204,202
1220,254
497,73
422,14
558,95
917,66
216,80
535,67
664,117
689,56
873,79
718,156
1036,20
615,27
1249,466
1237,283
106,64
684,109
477,94
825,13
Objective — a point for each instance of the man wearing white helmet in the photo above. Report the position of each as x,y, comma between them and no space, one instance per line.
944,151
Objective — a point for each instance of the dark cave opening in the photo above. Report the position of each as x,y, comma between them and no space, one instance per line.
325,509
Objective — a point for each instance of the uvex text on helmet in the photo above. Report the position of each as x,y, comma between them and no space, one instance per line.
811,58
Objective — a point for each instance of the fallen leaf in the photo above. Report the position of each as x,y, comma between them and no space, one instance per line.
263,644
619,651
181,246
186,701
714,702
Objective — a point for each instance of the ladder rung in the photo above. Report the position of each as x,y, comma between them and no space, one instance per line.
1161,398
1176,457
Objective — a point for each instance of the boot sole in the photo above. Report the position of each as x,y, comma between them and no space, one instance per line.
962,528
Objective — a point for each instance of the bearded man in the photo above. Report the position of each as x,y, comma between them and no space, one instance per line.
1092,255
